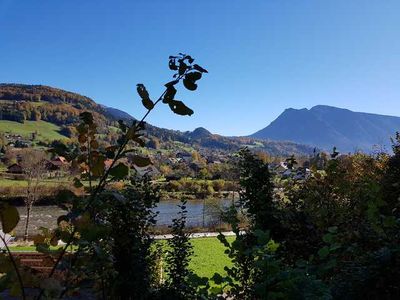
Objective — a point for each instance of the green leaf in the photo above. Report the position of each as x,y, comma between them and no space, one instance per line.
328,238
141,161
120,171
272,246
323,252
389,221
9,217
262,236
216,290
180,108
333,229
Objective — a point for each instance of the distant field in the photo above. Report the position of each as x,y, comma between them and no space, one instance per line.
5,182
46,131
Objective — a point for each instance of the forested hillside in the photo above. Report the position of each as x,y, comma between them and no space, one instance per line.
21,103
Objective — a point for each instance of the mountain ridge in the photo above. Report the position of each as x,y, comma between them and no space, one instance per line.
20,103
327,126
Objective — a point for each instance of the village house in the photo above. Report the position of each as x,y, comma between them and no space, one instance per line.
150,171
15,169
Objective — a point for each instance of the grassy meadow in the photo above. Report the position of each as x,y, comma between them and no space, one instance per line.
46,131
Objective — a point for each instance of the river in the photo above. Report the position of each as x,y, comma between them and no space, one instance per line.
200,213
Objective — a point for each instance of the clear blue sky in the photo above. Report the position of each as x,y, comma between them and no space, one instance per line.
263,56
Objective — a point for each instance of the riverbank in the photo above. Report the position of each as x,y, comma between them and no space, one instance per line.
204,215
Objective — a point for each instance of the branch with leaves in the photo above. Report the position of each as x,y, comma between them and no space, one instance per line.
92,158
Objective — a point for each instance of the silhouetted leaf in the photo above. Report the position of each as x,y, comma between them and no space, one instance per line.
190,85
139,141
9,217
122,126
182,68
180,108
110,151
141,89
193,76
141,161
120,171
190,59
148,103
98,166
170,94
198,68
172,65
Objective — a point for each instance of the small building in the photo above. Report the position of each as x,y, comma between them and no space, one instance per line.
15,169
150,171
53,165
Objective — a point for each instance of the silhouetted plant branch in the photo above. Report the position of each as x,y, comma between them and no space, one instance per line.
186,71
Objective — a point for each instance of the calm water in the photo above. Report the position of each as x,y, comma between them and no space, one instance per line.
200,213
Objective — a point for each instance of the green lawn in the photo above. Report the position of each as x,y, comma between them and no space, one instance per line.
208,257
46,131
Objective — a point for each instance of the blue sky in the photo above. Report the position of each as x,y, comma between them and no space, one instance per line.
263,55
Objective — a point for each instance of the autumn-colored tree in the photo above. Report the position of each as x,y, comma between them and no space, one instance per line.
33,163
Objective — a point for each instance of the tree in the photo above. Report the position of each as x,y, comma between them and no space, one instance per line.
178,257
33,163
153,143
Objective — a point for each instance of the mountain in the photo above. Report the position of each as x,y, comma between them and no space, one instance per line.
117,113
326,126
199,133
24,107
